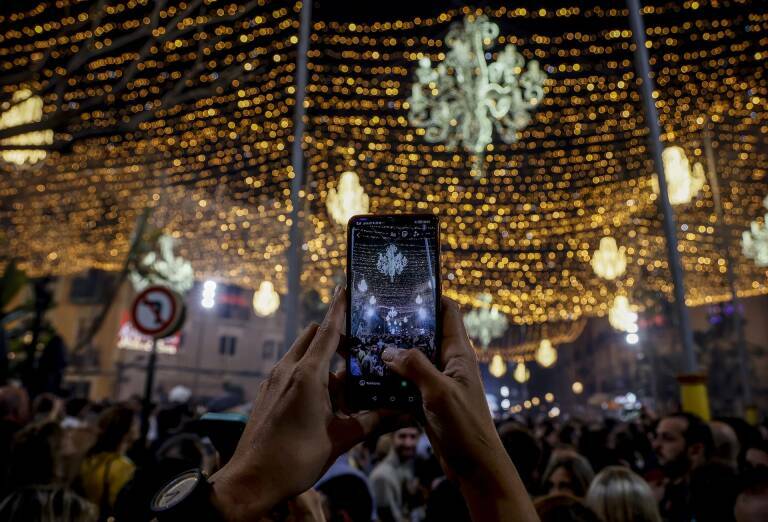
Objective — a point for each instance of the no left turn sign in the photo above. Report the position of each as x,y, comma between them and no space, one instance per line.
158,312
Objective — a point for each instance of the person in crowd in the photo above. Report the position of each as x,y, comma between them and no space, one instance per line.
619,495
106,469
682,443
294,404
756,454
393,479
564,508
347,493
38,493
14,414
712,492
569,473
47,408
524,450
752,499
725,444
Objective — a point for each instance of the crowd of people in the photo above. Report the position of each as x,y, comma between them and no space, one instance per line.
72,460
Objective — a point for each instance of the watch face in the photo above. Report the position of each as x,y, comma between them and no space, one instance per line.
177,490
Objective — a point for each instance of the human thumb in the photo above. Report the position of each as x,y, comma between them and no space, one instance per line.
414,366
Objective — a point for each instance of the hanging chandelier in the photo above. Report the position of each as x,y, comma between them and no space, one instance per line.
163,268
621,316
485,324
347,199
266,300
497,367
754,242
683,182
521,373
465,97
25,108
546,355
609,260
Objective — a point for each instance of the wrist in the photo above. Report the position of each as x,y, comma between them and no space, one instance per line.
241,496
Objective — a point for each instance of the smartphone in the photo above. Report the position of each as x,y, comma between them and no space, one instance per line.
393,300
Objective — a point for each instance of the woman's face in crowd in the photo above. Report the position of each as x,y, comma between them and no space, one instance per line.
561,482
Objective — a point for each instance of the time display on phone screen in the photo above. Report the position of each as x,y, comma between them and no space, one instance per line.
394,294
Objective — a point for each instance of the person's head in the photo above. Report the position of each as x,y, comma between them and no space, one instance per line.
563,508
752,500
404,442
76,407
34,455
116,430
756,455
712,492
347,498
14,404
682,442
568,473
523,450
619,495
726,443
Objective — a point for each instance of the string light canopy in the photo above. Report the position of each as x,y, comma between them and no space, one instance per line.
193,101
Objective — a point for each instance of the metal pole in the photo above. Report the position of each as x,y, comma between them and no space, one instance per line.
724,234
292,298
146,404
654,140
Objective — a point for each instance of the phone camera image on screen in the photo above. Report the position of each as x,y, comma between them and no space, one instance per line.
393,285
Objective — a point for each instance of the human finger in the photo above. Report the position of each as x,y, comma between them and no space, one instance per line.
337,390
325,343
300,345
348,430
455,342
414,366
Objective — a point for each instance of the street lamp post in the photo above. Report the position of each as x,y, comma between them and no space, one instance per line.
724,235
693,387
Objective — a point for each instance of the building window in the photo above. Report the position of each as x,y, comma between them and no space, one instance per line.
227,345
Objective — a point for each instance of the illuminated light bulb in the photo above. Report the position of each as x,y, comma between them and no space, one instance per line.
504,391
554,412
577,387
549,397
505,404
609,260
27,108
683,183
498,367
347,199
633,338
754,242
265,300
621,316
209,294
521,373
546,355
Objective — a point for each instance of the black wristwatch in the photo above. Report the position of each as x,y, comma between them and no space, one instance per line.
186,497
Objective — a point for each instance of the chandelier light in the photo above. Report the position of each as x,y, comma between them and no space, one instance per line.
621,316
683,182
164,268
465,97
609,260
577,387
521,373
25,108
347,199
485,324
546,355
266,300
754,242
498,366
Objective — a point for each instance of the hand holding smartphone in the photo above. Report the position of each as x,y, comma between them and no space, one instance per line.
393,292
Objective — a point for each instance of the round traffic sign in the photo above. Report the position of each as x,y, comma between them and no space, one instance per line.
157,311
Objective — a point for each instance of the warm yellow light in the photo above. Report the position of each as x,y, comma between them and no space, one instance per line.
621,316
577,387
549,397
546,355
27,108
498,366
609,261
521,373
348,199
683,183
266,300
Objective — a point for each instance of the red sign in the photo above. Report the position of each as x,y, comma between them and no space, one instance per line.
157,312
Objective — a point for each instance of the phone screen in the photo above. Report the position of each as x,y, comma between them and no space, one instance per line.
393,287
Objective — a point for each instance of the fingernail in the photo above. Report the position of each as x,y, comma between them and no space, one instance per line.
388,355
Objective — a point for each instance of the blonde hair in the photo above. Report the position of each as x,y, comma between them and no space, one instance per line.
619,495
